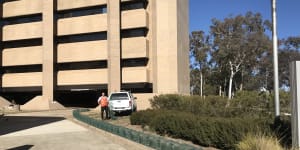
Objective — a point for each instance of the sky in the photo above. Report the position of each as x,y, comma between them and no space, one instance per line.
288,13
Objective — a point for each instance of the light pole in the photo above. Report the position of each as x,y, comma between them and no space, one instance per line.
275,59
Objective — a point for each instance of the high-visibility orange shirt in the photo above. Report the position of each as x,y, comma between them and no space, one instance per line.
103,101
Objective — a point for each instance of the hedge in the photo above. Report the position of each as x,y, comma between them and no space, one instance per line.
244,104
223,133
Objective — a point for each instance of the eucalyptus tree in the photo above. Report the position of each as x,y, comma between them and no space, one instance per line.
289,51
238,42
199,48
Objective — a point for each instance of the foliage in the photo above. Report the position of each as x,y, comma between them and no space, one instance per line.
211,121
218,132
199,50
259,142
245,103
237,53
238,43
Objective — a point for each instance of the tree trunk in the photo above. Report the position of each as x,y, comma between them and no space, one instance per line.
230,80
230,86
220,90
241,85
224,91
201,84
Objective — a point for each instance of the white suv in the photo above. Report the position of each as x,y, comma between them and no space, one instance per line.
122,102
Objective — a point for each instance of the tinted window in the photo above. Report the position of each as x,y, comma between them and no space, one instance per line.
119,96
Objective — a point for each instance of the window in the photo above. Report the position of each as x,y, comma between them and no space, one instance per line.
134,32
21,19
82,12
141,4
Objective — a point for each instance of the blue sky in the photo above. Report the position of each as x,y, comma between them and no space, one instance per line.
288,13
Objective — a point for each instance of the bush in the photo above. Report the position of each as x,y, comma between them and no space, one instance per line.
143,117
214,106
210,122
259,142
222,133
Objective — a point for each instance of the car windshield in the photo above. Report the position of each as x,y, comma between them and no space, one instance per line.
119,96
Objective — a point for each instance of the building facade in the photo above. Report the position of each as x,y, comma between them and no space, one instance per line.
53,47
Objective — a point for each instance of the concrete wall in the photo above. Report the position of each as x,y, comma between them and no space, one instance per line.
136,47
83,24
22,7
134,19
22,79
22,31
82,51
22,56
135,75
142,101
166,24
82,77
70,4
172,73
165,46
183,46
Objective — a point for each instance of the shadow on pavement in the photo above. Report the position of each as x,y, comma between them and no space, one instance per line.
23,147
10,124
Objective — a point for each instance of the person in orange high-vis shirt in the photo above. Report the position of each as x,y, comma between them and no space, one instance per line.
103,102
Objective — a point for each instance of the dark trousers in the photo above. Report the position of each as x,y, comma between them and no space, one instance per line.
104,108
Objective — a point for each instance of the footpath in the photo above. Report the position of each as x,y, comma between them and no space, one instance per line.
57,130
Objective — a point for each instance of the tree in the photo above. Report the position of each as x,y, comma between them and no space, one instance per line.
199,48
289,52
238,42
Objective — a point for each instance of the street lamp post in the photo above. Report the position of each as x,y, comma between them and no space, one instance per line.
275,59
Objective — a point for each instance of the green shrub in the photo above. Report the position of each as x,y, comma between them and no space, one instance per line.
210,122
219,132
143,117
215,106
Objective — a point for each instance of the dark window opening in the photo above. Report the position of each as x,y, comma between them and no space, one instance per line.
22,43
135,62
76,96
81,12
82,65
134,33
21,19
21,69
138,87
82,37
5,1
138,4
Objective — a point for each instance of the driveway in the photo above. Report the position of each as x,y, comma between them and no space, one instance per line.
56,130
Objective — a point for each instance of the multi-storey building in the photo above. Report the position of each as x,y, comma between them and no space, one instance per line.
62,50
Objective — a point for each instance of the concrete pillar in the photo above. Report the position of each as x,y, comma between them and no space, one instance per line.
153,41
114,45
1,44
172,46
48,50
295,90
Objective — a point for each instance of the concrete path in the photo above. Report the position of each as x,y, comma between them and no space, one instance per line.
52,131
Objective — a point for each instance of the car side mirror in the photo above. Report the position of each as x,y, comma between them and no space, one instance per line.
134,98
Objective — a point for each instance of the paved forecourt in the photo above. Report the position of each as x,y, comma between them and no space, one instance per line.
51,130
